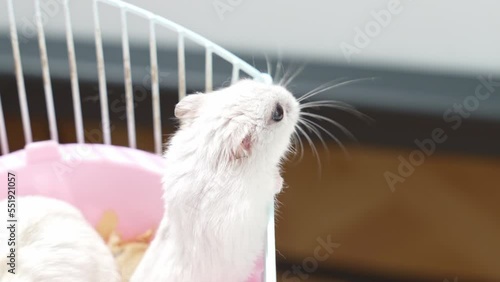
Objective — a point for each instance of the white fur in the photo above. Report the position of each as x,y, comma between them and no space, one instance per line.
54,244
217,194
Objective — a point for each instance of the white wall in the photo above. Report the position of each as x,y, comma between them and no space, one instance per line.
451,35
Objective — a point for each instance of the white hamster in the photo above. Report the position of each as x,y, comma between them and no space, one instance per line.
222,172
54,243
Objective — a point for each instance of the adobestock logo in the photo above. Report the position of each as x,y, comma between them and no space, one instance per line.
453,117
222,7
416,158
48,10
310,264
372,29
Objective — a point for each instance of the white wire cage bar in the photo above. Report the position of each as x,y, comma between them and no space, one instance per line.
49,100
19,75
154,21
3,132
75,89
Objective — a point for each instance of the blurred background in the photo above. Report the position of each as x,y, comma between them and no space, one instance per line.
415,199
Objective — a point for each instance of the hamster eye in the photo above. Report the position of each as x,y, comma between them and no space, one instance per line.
278,113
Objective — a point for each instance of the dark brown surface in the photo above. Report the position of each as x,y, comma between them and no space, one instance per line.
441,222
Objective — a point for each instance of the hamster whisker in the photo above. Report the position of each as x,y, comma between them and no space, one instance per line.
293,148
301,148
319,103
269,66
279,253
322,87
311,144
279,70
333,122
341,145
289,80
285,74
312,128
340,106
329,87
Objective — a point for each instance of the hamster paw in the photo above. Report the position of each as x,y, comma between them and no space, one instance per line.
279,184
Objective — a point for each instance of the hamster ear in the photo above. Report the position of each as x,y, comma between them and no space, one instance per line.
188,108
242,144
244,148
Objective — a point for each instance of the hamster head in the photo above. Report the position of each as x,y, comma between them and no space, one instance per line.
248,121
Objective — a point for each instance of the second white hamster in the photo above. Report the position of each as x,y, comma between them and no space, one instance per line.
54,243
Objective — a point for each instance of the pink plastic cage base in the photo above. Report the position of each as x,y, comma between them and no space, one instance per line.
95,178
